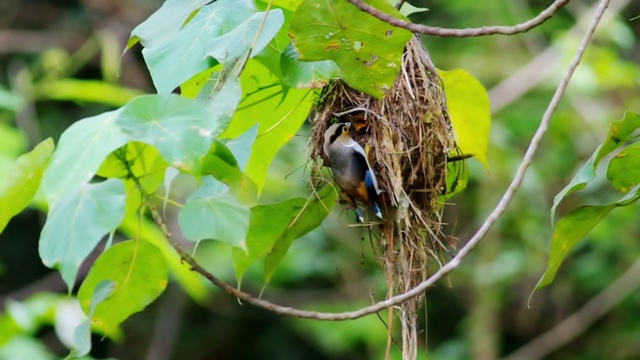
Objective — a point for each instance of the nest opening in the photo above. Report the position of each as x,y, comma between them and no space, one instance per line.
407,136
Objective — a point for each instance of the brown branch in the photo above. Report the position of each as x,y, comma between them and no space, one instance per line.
445,269
580,321
545,15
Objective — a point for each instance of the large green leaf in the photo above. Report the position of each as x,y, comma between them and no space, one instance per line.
619,133
139,272
267,223
253,34
241,146
23,181
470,110
77,222
407,9
310,217
270,55
285,4
574,226
193,283
177,59
624,168
368,51
221,164
569,230
221,94
163,24
82,333
142,160
86,91
279,114
306,74
213,213
81,150
180,128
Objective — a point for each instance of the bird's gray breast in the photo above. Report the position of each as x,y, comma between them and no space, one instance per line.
347,170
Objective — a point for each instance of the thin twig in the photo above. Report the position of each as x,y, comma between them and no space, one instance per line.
580,321
445,269
545,15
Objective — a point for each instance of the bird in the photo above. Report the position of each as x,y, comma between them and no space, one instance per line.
351,169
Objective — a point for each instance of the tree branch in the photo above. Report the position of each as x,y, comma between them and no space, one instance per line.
579,321
545,15
448,267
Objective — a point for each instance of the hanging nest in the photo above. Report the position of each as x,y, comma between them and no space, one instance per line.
408,137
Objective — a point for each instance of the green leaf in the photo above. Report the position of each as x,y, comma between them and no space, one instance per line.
285,4
163,24
306,74
624,168
28,316
82,334
569,230
77,222
86,91
221,164
619,133
212,213
193,283
267,223
470,111
367,50
177,59
144,162
270,55
407,9
180,128
279,115
138,270
310,217
10,100
81,150
23,181
221,95
457,178
241,146
586,173
26,347
237,43
574,226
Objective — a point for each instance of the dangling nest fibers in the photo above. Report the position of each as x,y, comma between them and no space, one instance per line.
408,137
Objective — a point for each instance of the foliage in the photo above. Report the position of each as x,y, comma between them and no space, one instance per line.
237,113
214,157
622,174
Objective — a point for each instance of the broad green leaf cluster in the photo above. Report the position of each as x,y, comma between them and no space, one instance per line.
245,71
620,153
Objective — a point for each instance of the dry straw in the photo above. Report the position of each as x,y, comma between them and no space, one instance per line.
408,137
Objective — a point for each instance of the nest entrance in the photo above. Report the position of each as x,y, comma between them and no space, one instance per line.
408,137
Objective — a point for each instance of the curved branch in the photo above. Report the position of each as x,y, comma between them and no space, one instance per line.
545,15
574,325
448,267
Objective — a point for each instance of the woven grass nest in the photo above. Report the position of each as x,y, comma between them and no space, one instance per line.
408,137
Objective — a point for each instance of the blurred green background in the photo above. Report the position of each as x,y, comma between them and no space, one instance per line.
61,61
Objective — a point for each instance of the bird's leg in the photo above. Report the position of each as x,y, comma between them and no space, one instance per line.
351,201
360,217
376,209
